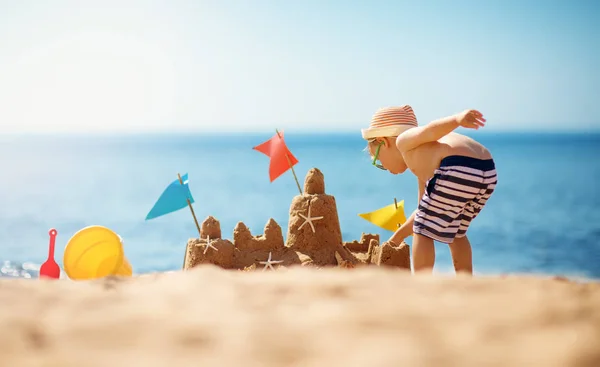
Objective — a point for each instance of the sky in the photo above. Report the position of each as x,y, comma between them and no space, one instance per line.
311,66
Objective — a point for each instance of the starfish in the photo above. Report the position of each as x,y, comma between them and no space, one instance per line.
269,262
308,219
209,245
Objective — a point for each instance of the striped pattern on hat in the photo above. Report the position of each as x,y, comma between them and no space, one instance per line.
390,121
390,116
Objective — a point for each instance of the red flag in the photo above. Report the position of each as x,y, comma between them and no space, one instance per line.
281,157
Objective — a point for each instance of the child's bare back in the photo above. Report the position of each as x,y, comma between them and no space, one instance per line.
425,159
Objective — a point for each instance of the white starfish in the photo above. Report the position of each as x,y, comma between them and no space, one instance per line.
269,263
308,219
209,245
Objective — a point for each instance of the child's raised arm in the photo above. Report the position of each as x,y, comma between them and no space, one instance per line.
435,130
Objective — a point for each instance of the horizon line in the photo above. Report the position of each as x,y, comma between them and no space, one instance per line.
593,131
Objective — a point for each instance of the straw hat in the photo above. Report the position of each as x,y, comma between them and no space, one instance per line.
390,121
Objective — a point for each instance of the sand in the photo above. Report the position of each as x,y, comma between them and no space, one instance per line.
324,303
367,316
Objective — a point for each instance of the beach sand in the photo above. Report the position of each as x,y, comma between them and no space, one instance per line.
370,316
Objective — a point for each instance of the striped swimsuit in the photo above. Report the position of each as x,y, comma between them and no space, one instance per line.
454,196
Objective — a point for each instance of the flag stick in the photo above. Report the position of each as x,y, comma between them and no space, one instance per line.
195,221
291,166
396,205
191,208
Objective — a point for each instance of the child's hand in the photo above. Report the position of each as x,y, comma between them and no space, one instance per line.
471,119
394,242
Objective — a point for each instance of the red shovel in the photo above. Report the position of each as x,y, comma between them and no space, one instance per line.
50,268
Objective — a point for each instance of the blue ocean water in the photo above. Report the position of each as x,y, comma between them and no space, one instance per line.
543,218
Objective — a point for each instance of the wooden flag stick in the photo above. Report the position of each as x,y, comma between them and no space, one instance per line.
191,208
195,221
291,166
396,205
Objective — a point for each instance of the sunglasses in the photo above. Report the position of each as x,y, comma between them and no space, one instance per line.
376,157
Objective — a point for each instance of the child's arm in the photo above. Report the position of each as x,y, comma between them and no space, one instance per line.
406,229
435,130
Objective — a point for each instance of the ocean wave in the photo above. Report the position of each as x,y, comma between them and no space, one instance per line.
25,270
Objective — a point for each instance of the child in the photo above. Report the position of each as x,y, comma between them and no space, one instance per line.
456,177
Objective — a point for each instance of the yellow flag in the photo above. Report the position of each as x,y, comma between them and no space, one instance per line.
387,217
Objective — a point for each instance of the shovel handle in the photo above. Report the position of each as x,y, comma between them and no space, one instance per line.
52,234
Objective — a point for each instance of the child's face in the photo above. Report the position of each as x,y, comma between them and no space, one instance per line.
386,156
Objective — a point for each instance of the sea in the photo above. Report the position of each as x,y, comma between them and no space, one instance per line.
543,218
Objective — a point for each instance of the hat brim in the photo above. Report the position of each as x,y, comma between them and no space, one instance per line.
382,132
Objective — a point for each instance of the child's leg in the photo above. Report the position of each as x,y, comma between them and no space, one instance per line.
423,253
460,249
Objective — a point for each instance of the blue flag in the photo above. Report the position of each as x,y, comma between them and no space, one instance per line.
174,197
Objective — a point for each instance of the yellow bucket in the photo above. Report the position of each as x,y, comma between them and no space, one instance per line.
95,252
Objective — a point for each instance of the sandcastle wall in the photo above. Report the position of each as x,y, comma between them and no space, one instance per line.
314,238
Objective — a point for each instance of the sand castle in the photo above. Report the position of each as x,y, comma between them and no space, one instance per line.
314,238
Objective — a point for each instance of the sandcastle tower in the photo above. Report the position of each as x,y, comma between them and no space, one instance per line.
314,226
210,248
